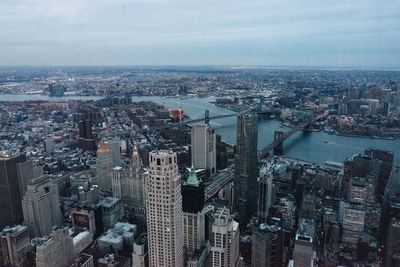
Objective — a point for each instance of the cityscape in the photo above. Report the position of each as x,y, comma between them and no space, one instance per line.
199,133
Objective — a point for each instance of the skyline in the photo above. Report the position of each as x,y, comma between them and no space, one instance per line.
360,34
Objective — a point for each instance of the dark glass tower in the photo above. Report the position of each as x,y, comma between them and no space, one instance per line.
192,194
246,166
10,195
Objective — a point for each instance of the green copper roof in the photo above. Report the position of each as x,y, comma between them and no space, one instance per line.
192,179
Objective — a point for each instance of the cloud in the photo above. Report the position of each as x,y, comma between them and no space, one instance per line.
91,32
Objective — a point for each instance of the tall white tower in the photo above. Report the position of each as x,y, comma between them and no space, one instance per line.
164,210
41,206
203,147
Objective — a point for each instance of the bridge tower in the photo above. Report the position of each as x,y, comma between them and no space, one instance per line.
207,117
278,138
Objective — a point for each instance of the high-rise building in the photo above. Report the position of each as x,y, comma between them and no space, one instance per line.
265,194
164,210
267,246
193,217
224,239
56,249
352,217
392,246
25,172
10,194
303,252
41,206
128,184
114,144
104,166
85,140
14,243
204,148
88,194
246,166
140,252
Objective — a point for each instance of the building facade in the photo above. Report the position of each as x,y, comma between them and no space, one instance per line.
104,166
203,140
164,210
41,206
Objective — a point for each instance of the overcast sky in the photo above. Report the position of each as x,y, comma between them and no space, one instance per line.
332,33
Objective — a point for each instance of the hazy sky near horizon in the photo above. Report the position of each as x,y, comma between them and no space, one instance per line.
356,33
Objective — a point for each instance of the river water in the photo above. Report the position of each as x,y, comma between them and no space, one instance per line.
316,147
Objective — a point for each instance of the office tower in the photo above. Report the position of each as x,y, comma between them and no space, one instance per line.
392,246
25,171
267,246
352,218
139,253
85,129
224,239
56,89
221,153
85,140
386,157
104,166
193,217
164,210
204,148
265,194
41,207
56,249
10,194
14,243
303,252
307,209
114,144
246,166
128,184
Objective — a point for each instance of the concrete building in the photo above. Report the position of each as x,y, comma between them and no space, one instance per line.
83,220
140,256
88,194
55,250
164,210
267,246
10,192
14,243
352,218
120,237
246,166
113,211
128,184
115,148
303,252
104,166
265,193
224,239
203,140
41,206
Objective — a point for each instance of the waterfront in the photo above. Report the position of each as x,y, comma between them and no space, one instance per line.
315,147
33,97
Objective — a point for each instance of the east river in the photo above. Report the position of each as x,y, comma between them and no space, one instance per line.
315,147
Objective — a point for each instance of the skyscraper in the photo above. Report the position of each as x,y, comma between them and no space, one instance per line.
10,194
265,194
267,246
246,166
193,217
204,148
14,243
41,207
392,246
104,166
164,210
303,252
224,239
